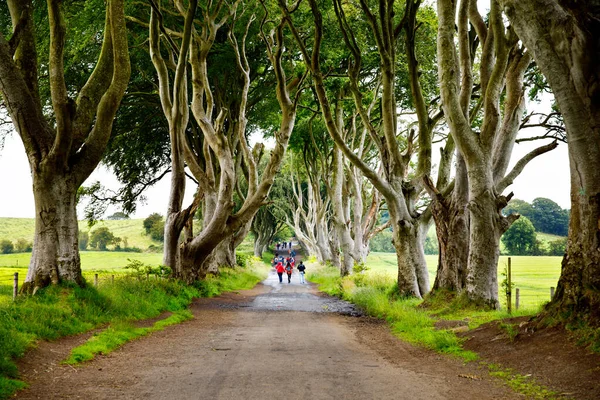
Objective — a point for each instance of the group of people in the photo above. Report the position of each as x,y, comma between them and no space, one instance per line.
287,264
284,245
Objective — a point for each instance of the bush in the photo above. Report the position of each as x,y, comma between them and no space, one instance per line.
6,246
242,260
23,246
102,237
557,247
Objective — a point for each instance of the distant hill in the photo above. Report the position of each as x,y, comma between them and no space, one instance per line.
132,229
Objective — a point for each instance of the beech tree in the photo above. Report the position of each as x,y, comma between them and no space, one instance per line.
215,155
63,148
564,39
486,149
401,192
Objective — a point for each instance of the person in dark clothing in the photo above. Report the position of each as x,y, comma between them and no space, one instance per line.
301,269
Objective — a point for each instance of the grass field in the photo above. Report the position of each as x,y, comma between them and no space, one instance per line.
131,230
532,275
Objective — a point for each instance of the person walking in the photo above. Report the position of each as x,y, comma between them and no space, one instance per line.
280,269
301,269
288,271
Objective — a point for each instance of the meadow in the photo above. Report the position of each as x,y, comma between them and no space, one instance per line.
532,275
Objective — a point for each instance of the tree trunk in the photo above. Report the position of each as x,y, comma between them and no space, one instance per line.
452,228
564,39
55,256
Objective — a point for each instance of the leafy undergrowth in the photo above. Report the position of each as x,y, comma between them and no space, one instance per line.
65,310
414,321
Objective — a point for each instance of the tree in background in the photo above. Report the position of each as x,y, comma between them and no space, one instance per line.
66,126
545,215
23,246
154,226
118,216
6,246
102,237
520,238
84,239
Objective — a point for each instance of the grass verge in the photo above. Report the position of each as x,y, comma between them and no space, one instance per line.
65,310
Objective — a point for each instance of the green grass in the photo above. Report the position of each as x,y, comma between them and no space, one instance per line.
532,275
59,311
522,384
90,260
118,334
130,229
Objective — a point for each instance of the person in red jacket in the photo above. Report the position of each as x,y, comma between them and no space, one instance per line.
279,269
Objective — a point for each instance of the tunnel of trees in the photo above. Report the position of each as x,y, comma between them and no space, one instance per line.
384,116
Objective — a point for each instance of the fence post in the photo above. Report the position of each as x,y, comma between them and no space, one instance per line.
551,292
96,280
16,286
517,300
509,288
112,279
147,276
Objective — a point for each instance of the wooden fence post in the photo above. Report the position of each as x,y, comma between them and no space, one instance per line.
509,288
112,279
551,292
147,276
16,286
96,280
517,300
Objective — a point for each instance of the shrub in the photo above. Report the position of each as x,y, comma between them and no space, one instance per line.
155,227
242,260
6,246
557,247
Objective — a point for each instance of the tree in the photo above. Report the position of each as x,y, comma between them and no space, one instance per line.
548,217
6,246
569,62
520,238
23,246
64,147
151,221
84,239
102,237
486,147
118,216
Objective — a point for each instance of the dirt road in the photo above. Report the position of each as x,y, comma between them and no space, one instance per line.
277,341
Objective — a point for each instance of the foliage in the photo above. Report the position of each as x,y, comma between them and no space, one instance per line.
6,246
242,260
84,239
382,242
431,245
118,216
155,227
523,384
545,214
520,238
101,237
23,246
557,247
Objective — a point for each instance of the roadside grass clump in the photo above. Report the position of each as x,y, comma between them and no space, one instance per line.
118,334
523,384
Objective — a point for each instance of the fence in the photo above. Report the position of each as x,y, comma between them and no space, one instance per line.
510,284
14,278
